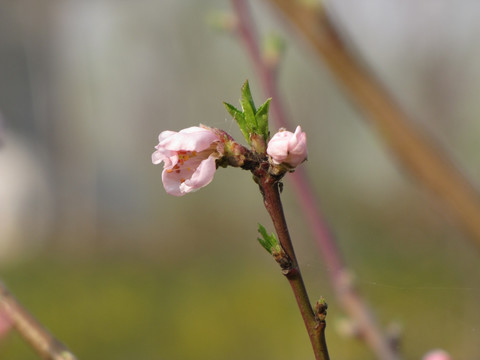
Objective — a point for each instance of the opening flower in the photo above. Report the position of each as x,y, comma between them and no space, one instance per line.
288,148
189,158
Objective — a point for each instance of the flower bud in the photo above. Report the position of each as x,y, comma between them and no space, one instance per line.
288,148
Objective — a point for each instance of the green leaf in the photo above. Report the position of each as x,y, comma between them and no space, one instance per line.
253,123
232,110
262,118
239,118
248,107
269,242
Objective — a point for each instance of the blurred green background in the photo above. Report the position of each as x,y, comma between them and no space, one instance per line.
93,246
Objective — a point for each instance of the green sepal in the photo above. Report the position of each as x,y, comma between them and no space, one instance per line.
262,118
269,242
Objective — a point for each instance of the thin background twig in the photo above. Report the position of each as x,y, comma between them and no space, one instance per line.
47,346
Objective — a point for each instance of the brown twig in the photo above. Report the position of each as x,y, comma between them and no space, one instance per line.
338,274
315,327
416,151
31,330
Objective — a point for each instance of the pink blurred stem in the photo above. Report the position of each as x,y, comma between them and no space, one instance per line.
31,330
5,324
338,274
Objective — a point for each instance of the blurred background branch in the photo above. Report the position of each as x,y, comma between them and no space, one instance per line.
47,346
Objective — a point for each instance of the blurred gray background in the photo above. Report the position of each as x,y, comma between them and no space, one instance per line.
85,89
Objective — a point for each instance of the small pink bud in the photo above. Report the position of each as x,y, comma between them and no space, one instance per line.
437,354
189,158
288,148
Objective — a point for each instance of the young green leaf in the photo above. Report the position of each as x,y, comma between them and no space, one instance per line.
232,110
248,107
269,242
252,122
240,119
262,119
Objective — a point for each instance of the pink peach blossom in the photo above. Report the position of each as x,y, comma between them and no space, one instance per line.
437,354
189,158
288,148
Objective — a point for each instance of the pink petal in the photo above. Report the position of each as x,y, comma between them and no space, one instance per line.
171,183
202,176
298,141
165,134
287,147
191,139
278,146
298,153
181,183
158,156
